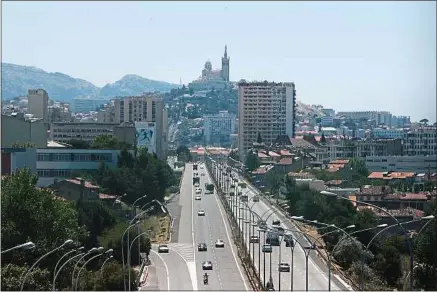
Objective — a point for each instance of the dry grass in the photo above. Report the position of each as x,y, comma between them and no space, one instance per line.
160,228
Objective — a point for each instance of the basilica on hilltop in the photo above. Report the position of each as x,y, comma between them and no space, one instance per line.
213,79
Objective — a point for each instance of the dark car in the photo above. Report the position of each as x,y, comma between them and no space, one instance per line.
207,265
254,239
267,248
284,267
202,247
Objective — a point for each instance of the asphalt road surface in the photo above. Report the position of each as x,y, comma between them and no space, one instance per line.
227,273
317,275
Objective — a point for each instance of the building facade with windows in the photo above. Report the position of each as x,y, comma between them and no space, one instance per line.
421,141
16,128
54,164
38,104
267,109
218,128
416,163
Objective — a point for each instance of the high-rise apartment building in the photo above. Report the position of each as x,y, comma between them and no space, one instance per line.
146,108
38,104
218,128
267,109
379,117
421,141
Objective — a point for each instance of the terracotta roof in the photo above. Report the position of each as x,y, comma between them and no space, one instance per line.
333,169
286,161
77,181
262,155
285,153
106,196
301,174
339,161
262,170
408,196
332,165
390,175
273,154
396,213
374,190
334,182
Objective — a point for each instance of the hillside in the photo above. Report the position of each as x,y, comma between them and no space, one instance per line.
16,80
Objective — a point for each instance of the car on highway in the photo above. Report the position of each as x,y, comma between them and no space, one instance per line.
284,267
196,185
219,243
255,199
254,239
163,248
202,174
201,213
207,265
198,191
267,248
276,222
202,247
198,198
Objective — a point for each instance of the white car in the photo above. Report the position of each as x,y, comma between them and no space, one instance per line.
207,265
200,213
198,198
163,248
219,243
201,167
198,191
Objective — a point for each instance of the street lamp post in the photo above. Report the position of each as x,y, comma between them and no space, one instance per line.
109,251
122,250
62,266
410,249
104,262
129,252
135,214
65,255
93,250
25,246
65,244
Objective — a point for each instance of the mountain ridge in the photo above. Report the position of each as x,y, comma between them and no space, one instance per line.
17,79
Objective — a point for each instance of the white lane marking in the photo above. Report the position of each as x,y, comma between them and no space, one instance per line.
191,270
230,243
193,276
166,268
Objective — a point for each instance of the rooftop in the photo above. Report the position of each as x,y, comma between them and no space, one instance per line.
78,181
391,175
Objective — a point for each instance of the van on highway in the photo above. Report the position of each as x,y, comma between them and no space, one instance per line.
256,198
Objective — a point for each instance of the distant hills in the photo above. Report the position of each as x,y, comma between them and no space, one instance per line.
16,80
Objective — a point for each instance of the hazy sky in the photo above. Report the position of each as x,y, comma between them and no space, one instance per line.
344,55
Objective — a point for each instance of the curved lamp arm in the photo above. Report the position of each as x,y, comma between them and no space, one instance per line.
83,266
27,245
66,243
60,269
66,254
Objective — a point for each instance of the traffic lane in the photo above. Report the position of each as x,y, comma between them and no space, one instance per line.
176,269
318,280
185,201
226,265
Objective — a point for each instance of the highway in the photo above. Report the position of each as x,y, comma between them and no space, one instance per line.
317,278
181,268
226,273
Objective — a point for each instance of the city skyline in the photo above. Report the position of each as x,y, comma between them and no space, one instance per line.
335,55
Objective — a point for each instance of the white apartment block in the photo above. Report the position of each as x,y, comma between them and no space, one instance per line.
380,117
64,132
388,133
420,142
145,108
265,108
218,127
38,104
416,163
327,121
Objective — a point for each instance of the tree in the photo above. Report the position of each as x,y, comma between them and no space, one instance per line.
112,277
29,213
274,182
111,238
105,142
252,161
79,144
424,121
323,139
388,264
12,277
183,153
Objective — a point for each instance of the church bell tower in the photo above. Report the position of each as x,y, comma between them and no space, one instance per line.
225,65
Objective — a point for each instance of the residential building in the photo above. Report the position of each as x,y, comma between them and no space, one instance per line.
400,121
107,114
16,128
149,109
218,128
414,163
404,177
38,104
87,104
422,141
345,148
327,121
379,117
59,112
266,109
328,112
388,133
55,164
213,79
65,132
76,188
